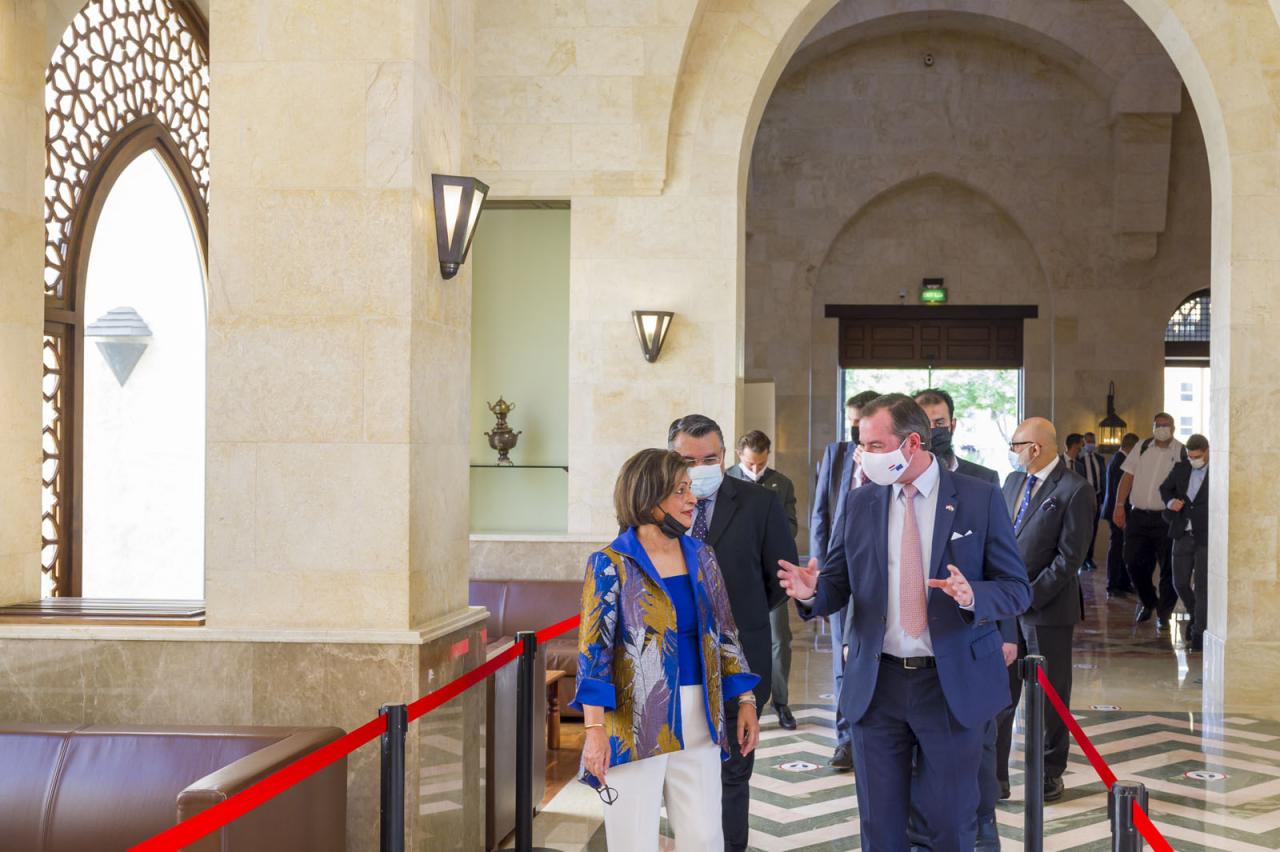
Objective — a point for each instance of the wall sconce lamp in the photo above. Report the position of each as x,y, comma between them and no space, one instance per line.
458,201
651,327
122,337
1111,429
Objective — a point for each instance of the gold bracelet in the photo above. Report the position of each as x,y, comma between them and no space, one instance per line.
596,725
747,698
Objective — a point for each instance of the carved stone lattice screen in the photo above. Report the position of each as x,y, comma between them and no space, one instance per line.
121,65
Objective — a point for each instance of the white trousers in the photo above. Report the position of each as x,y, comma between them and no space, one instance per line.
687,780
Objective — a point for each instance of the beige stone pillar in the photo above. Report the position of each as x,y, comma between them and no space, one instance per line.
21,294
338,358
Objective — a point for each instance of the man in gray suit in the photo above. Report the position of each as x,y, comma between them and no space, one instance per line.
1052,508
753,466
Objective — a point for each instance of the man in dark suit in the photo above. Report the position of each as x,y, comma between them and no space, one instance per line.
838,474
1118,584
940,408
1186,494
746,526
1089,464
754,449
928,561
1052,509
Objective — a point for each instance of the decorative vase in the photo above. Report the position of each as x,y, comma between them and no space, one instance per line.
502,438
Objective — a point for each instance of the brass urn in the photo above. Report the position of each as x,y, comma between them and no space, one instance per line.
502,438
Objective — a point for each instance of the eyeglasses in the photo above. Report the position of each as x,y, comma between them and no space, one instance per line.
1013,445
705,460
607,794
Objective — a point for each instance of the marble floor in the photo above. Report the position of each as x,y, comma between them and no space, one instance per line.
1136,694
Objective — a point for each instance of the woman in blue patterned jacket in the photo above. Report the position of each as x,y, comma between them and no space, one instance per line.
657,654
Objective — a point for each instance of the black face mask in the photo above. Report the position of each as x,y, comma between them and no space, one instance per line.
853,434
940,441
670,527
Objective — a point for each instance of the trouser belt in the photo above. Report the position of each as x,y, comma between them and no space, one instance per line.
910,662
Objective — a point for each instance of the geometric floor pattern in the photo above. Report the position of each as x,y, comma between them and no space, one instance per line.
1218,792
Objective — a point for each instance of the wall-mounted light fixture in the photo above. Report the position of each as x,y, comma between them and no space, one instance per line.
651,327
1111,429
458,201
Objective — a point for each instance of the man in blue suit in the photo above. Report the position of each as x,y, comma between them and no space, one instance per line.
929,563
838,474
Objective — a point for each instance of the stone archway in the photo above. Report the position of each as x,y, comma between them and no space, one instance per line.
736,54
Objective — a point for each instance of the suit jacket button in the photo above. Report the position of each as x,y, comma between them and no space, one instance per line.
877,656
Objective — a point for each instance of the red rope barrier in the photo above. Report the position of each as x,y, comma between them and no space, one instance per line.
546,634
207,822
1140,819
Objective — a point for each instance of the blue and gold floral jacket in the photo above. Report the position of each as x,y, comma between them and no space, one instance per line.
628,649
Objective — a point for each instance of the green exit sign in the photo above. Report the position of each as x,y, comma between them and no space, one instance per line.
933,294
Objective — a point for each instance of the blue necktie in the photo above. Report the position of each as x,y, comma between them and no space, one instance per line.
700,522
1026,501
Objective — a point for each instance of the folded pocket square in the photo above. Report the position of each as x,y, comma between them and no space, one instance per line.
956,535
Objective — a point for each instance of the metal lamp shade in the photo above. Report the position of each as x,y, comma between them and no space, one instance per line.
651,328
1112,428
458,202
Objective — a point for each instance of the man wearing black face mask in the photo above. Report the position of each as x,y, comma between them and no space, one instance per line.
941,411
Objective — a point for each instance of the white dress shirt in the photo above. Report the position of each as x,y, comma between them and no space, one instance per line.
1042,475
1150,469
896,640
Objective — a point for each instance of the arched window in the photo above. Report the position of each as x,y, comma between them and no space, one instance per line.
1186,370
1186,338
127,156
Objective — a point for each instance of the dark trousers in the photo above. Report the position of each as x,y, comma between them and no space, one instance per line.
1117,574
988,798
780,626
1191,578
1092,539
1054,644
735,783
908,716
836,623
1146,542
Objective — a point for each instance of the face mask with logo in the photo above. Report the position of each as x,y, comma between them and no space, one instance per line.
884,468
1162,433
671,527
706,479
1198,463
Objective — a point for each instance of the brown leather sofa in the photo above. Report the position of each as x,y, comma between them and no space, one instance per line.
516,605
106,788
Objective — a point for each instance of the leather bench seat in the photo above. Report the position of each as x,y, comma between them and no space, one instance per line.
69,788
516,605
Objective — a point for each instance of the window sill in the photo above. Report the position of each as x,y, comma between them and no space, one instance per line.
105,611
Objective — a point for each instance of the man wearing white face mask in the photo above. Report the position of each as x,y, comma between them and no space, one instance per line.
928,561
1186,496
1146,532
753,466
748,529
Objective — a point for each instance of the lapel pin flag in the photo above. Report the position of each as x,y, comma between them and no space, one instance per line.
950,508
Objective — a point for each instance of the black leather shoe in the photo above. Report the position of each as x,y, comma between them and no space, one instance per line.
785,719
1054,789
1144,613
842,759
1005,793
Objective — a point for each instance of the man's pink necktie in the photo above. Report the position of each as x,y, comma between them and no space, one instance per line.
912,608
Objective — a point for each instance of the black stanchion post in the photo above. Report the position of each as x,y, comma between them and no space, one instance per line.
525,686
392,811
1124,834
1033,751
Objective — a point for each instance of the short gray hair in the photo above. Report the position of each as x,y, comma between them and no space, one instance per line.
906,414
695,426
